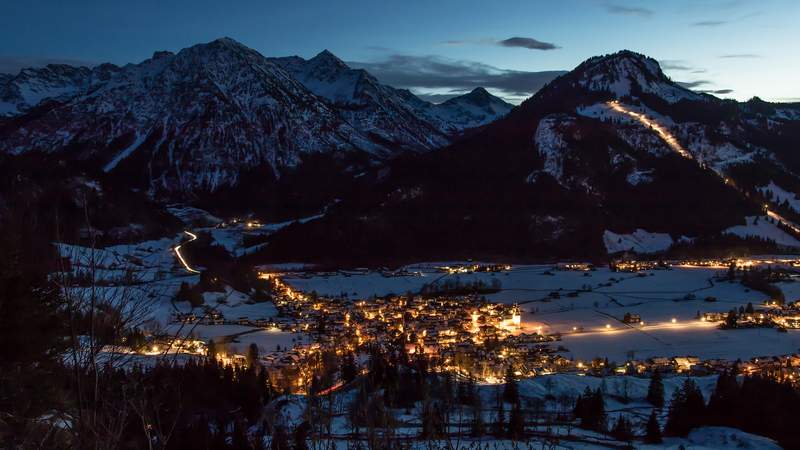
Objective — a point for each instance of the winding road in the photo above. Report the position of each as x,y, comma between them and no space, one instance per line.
177,249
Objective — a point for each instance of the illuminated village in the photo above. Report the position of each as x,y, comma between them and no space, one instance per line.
473,338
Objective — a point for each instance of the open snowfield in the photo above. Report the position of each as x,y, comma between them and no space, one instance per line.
623,395
659,296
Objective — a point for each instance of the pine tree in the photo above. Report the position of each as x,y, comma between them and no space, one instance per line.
280,440
349,369
723,401
652,430
211,350
252,354
300,436
516,423
622,430
478,429
686,409
655,392
500,421
511,389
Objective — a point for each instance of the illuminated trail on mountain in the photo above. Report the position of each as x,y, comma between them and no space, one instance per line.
180,257
662,131
670,140
779,218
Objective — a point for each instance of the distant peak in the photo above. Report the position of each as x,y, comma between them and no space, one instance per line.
643,62
162,54
326,57
479,91
225,43
326,54
226,40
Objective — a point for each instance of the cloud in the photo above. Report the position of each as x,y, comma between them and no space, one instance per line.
718,91
441,77
528,43
693,84
13,64
709,23
629,10
516,41
741,55
674,64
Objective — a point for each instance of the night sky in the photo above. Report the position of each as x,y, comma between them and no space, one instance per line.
734,49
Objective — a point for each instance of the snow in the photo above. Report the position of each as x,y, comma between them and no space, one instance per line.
191,215
706,342
640,241
658,297
779,195
724,437
762,226
616,73
572,385
140,138
639,176
551,144
268,340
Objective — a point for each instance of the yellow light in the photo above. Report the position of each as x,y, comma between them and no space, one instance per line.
674,320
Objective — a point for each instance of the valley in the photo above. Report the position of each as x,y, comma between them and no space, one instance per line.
239,248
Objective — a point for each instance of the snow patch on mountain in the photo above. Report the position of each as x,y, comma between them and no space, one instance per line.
640,241
639,177
124,153
471,110
552,147
620,72
780,195
31,86
762,226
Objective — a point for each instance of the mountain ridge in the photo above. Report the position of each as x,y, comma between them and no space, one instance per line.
591,152
194,121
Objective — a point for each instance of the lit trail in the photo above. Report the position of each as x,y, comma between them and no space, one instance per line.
679,326
780,218
662,131
180,257
670,140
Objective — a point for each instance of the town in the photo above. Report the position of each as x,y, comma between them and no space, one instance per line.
474,338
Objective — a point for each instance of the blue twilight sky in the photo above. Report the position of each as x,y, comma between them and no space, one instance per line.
737,48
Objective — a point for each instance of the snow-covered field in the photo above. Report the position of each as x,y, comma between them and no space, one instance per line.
589,301
623,395
762,226
640,241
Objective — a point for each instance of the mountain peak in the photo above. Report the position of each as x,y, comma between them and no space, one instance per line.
328,59
162,54
479,91
627,73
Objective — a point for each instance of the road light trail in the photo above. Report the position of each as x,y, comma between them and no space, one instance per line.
662,131
781,219
670,140
193,237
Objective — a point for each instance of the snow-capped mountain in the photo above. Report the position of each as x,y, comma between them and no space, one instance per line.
20,92
612,148
626,73
178,125
397,114
471,110
372,108
192,120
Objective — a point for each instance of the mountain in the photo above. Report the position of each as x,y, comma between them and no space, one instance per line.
220,120
374,107
20,92
471,110
611,152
